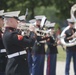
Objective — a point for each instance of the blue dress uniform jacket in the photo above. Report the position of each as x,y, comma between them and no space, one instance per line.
1,43
38,56
38,47
14,44
51,56
52,46
3,58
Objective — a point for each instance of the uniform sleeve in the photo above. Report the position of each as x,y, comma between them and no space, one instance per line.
66,36
22,40
30,41
40,38
49,43
65,32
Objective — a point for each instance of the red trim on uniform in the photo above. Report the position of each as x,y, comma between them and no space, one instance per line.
20,37
48,65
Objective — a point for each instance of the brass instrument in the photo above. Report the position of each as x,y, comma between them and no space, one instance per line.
73,16
44,32
24,27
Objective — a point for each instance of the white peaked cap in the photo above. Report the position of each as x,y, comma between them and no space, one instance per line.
12,14
21,17
43,21
47,22
39,17
1,12
32,20
70,20
42,18
50,25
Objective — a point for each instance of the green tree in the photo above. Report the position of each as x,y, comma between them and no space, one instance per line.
21,5
64,7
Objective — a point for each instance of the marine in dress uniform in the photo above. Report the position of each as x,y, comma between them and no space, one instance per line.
38,52
51,52
3,57
70,51
15,43
30,60
29,49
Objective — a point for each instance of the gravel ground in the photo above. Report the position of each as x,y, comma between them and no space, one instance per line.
61,68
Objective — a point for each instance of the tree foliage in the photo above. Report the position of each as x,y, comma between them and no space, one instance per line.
10,5
62,6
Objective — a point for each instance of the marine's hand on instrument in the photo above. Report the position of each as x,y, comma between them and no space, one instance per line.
58,42
74,35
71,37
48,39
31,28
47,35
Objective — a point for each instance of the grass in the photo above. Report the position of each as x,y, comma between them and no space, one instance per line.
61,54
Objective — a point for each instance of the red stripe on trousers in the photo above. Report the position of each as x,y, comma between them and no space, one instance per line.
48,65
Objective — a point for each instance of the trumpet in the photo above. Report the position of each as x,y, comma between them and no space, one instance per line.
44,32
25,29
24,26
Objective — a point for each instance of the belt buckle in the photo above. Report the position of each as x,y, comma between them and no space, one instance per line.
2,50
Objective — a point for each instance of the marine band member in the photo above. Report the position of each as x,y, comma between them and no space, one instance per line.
15,43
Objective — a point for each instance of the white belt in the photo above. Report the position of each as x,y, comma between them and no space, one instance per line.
2,50
42,41
17,54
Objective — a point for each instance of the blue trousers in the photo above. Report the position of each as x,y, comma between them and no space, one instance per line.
51,64
38,64
2,73
30,61
69,55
